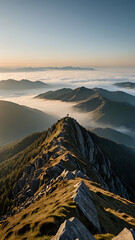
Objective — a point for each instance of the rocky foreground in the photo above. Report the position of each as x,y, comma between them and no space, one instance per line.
71,190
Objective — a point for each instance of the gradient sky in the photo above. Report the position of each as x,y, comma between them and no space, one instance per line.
67,32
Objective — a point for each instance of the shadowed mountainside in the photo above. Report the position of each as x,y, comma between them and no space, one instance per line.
53,95
109,112
114,136
18,121
11,150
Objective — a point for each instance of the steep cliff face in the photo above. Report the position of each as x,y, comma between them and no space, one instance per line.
99,162
71,177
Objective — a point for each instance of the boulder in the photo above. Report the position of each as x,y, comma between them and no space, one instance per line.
57,169
67,175
73,229
83,200
79,174
125,234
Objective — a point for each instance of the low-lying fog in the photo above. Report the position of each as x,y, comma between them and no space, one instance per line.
57,108
100,77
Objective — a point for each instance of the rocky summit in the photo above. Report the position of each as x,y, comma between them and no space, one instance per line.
74,186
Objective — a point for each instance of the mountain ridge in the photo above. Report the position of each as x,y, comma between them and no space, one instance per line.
111,109
83,93
72,170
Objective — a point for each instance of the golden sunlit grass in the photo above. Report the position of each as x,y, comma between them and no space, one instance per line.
106,236
42,219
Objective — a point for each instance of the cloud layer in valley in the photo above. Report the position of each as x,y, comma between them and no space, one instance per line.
101,77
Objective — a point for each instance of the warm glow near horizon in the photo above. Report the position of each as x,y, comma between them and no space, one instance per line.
67,33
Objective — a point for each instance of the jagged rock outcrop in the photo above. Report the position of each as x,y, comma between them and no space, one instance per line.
73,229
83,200
126,234
71,175
67,175
99,162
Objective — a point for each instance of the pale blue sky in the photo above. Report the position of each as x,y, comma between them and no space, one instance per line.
67,32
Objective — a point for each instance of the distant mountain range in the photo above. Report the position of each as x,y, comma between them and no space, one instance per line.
66,178
18,121
105,107
130,85
82,93
23,84
34,69
114,136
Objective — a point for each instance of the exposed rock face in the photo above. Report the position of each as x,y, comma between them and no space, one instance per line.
73,229
100,164
79,174
126,234
83,200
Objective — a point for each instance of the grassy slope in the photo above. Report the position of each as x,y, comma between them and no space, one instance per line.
42,218
11,150
11,170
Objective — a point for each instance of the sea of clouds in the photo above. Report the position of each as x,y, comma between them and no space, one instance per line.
100,77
